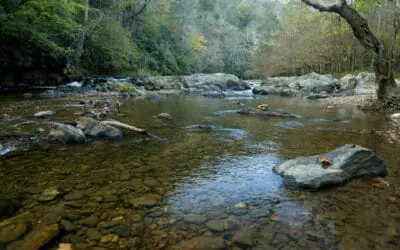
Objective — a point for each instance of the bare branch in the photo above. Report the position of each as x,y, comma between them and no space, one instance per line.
325,5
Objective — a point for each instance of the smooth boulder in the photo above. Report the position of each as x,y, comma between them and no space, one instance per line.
348,162
267,113
62,133
200,82
97,129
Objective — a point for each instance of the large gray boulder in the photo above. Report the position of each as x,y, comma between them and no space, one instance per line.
63,133
311,83
280,90
348,162
97,129
203,82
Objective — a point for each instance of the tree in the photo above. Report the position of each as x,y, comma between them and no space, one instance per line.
362,31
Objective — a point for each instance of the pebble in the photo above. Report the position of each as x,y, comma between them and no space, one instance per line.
147,200
109,238
76,195
243,239
93,234
90,221
195,218
68,226
241,205
216,225
202,243
48,195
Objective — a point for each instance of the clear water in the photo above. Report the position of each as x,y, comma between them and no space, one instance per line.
207,173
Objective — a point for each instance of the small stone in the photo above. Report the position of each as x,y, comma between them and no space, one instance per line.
109,238
48,195
40,130
93,234
243,239
90,221
195,218
76,195
137,218
164,116
27,95
241,205
216,225
122,230
147,200
109,224
67,226
151,183
12,232
40,237
201,243
42,114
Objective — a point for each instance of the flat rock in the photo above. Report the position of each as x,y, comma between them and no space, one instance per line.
216,225
243,238
40,237
97,129
48,194
147,200
201,243
195,218
347,162
67,226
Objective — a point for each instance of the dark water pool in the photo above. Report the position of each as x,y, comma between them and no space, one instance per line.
209,182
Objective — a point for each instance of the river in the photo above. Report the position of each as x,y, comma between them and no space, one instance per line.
215,183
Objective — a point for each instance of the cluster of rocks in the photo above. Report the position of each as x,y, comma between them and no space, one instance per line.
316,86
197,84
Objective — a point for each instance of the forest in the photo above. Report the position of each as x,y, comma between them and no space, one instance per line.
248,38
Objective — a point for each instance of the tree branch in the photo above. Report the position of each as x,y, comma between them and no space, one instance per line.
325,5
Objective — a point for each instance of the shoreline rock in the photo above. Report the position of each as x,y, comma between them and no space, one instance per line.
348,162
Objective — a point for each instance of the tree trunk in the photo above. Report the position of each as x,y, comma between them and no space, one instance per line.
362,31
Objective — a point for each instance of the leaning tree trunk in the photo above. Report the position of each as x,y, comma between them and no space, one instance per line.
384,75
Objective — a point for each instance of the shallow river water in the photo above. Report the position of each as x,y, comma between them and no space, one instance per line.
158,194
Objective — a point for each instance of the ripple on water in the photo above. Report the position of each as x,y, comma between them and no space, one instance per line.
241,179
226,134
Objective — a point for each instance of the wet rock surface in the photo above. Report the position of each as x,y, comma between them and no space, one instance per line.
343,164
62,133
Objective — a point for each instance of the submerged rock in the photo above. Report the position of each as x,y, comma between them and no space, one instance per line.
12,232
164,116
201,243
49,195
271,113
347,162
98,129
147,200
62,133
243,239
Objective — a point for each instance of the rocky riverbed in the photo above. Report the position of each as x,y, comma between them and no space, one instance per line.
206,183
